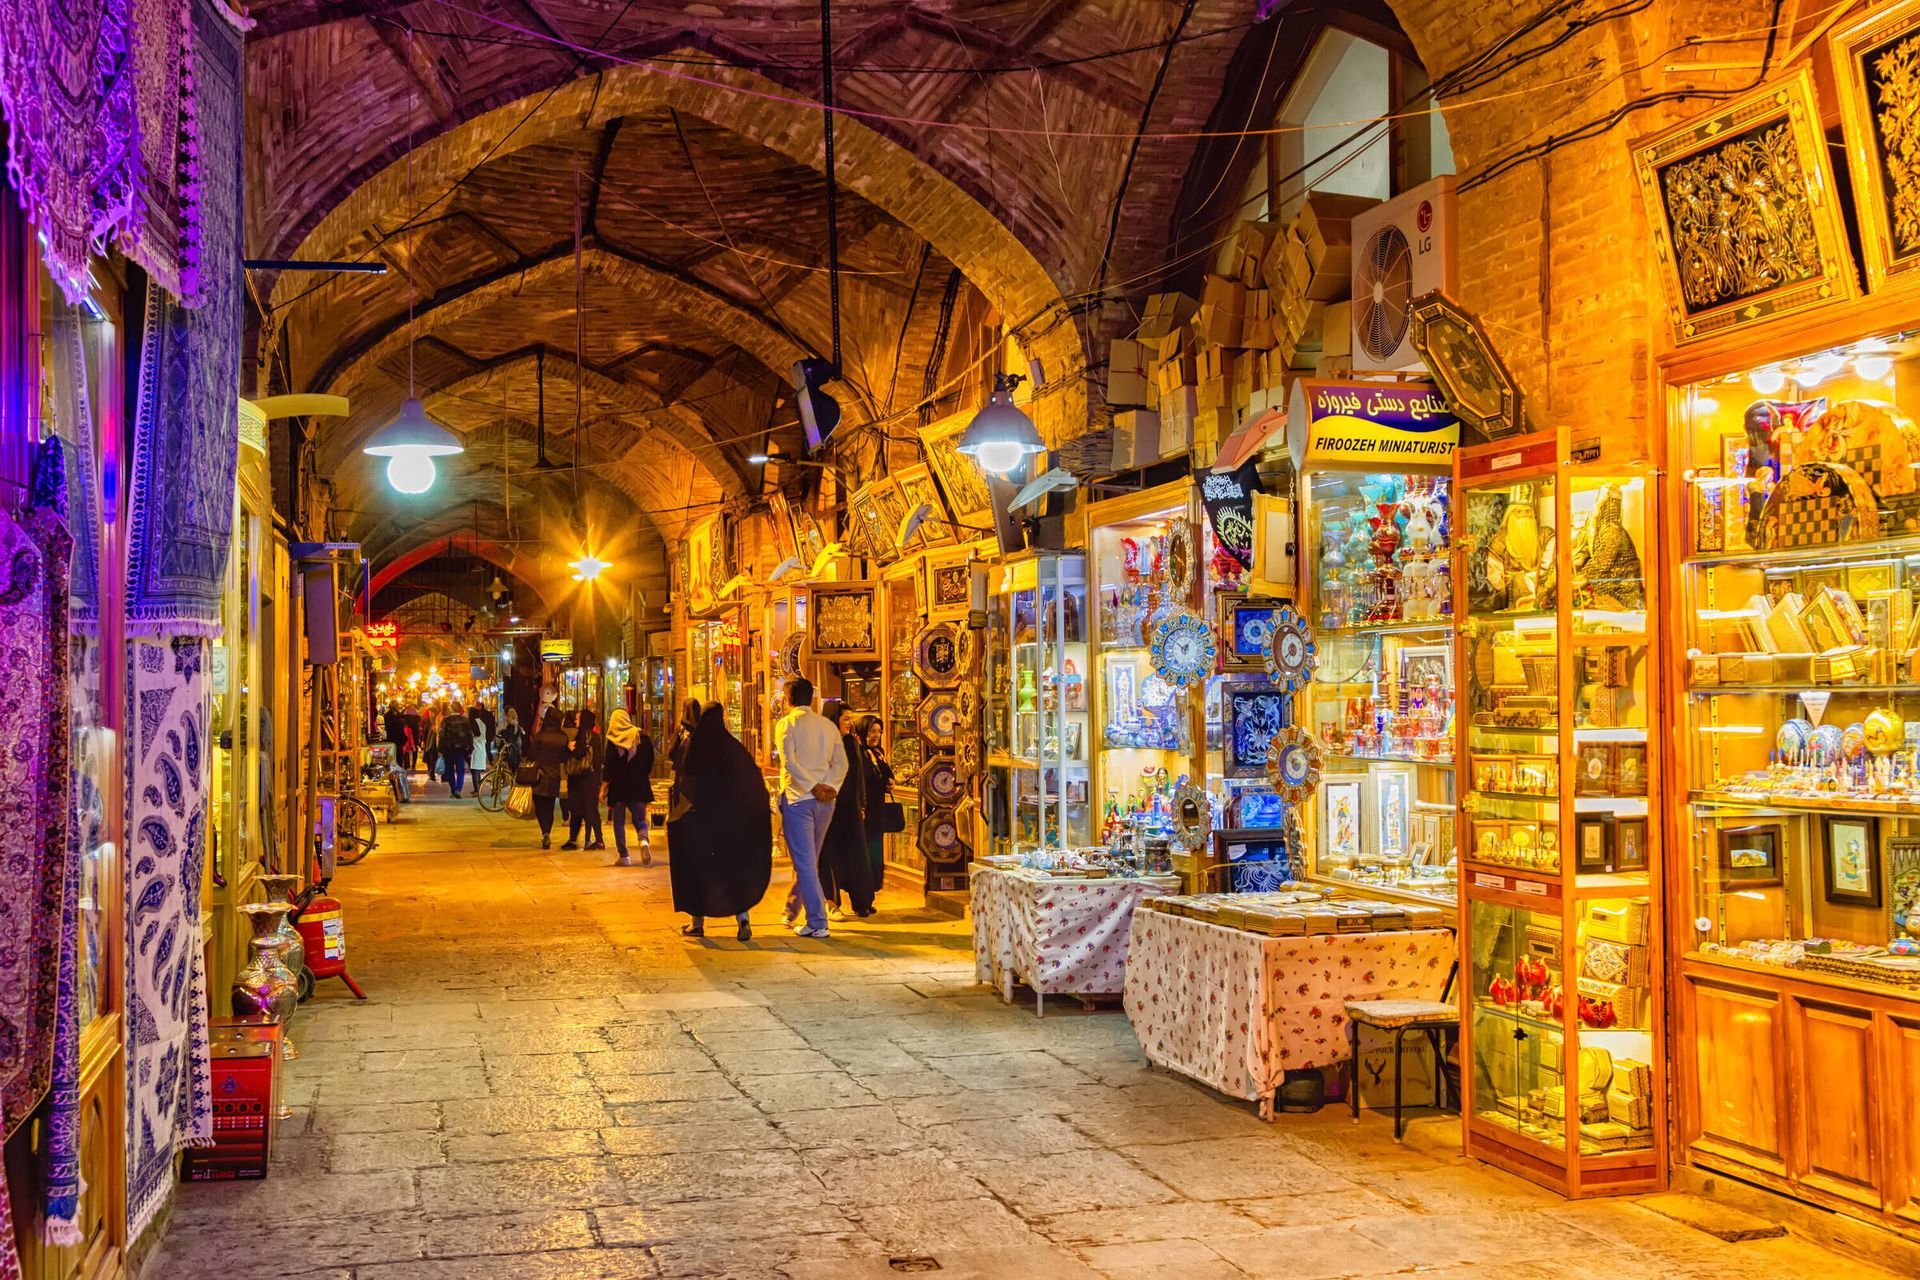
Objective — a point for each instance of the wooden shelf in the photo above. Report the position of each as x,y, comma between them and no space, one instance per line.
1804,804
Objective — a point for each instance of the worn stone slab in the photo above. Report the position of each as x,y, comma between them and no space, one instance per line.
1721,1221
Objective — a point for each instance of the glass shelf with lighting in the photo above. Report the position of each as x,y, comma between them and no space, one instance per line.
1039,767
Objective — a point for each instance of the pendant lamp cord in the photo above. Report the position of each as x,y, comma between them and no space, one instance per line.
833,185
413,211
579,336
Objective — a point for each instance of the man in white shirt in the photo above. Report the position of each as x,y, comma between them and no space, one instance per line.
813,764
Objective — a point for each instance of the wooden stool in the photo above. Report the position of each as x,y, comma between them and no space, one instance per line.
1399,1017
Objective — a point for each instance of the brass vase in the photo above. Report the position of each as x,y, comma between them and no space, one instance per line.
280,888
266,986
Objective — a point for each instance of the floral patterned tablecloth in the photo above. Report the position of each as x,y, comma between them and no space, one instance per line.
1237,1010
1059,937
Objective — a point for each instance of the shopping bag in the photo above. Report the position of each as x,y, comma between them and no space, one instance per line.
520,800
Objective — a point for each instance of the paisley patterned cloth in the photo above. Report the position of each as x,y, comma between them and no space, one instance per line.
1237,1010
1060,937
185,441
34,853
73,149
169,1104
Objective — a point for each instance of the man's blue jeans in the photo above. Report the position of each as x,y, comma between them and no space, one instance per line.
456,772
804,822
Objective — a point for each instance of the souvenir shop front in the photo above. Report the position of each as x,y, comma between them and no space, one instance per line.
1793,479
118,451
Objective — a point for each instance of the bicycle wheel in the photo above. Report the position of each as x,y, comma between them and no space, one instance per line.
494,788
355,830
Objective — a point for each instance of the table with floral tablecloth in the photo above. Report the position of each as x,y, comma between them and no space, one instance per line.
1058,936
1238,1010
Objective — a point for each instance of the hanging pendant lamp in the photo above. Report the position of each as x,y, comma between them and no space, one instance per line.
1001,436
412,440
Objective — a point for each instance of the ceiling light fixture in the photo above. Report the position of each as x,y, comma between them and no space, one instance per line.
1001,436
412,441
588,567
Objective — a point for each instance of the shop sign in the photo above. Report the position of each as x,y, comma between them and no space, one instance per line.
556,649
1370,424
1228,498
222,670
382,635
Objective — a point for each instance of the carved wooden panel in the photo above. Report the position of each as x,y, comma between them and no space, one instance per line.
1834,1079
1738,1052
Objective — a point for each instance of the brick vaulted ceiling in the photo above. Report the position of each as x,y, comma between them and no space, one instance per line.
687,131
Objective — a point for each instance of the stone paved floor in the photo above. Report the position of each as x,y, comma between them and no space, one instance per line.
548,1083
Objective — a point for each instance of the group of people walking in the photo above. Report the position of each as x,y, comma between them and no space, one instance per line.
444,740
834,799
834,813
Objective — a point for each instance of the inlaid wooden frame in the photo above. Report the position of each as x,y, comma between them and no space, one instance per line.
1726,263
843,622
917,485
1876,72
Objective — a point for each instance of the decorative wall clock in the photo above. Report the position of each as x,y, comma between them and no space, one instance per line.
939,719
938,655
1183,648
940,782
966,754
1293,764
1291,656
940,837
793,654
1180,560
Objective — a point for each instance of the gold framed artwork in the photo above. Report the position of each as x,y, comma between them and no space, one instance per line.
960,477
1741,204
949,584
844,622
1876,71
893,511
780,521
917,486
863,522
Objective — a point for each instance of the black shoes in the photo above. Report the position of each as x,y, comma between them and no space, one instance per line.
693,930
746,931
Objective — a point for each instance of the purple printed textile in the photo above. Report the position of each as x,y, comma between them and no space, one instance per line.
73,149
185,441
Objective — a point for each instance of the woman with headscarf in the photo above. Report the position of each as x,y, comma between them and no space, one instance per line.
677,753
879,791
844,864
584,763
722,841
512,740
629,784
547,752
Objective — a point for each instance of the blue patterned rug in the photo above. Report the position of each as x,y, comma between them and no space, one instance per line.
186,440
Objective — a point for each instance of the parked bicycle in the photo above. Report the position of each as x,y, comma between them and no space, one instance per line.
495,784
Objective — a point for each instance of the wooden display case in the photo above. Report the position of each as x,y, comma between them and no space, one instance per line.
1794,547
1563,1022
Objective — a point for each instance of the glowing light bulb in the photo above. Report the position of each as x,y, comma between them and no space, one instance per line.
1767,382
1705,406
588,567
410,472
999,456
1822,367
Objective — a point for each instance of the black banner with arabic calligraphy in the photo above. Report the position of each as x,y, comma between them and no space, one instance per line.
1228,498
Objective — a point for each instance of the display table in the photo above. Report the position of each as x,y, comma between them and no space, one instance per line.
1238,1010
1058,936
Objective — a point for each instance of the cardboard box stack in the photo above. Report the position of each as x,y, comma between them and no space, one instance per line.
1273,308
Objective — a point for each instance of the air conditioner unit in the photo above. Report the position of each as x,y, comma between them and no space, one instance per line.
1401,249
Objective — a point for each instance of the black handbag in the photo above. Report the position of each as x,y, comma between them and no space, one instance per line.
527,775
893,817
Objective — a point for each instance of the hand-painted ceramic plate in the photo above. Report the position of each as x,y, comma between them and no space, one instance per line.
1793,736
940,837
939,719
1293,764
940,785
1853,740
1827,741
1183,648
937,655
1291,656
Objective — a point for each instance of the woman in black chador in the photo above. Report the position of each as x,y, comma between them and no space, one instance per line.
720,851
845,866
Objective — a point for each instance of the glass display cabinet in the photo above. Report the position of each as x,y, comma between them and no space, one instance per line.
1797,540
1380,600
1150,730
1562,1020
1039,760
899,693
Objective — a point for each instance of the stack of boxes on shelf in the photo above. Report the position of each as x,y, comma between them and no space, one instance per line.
1273,309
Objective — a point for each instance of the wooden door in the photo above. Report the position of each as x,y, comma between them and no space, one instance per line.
1901,1180
1738,1107
1836,1147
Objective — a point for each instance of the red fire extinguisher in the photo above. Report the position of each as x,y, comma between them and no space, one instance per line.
323,929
